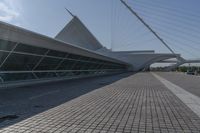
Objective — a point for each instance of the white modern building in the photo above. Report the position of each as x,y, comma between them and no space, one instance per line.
27,57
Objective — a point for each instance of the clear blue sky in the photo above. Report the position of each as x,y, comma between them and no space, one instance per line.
176,21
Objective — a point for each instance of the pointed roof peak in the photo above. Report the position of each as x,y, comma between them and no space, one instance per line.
69,12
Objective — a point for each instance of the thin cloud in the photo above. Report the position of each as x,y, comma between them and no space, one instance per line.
6,13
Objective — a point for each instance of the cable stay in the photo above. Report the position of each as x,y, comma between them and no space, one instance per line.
180,60
151,30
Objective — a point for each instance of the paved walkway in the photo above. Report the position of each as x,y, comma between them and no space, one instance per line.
190,83
139,103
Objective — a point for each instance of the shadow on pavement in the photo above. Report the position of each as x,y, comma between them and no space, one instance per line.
17,104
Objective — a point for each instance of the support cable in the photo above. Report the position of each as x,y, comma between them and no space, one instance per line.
187,22
134,13
176,26
169,9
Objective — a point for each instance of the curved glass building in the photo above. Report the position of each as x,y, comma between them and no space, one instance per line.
27,57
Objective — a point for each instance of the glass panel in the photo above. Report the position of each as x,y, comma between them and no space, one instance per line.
76,73
56,53
16,76
48,64
45,74
91,72
30,49
98,61
78,65
20,62
100,66
84,58
62,74
84,65
93,59
87,66
73,56
93,66
85,73
3,55
7,45
65,74
105,67
66,65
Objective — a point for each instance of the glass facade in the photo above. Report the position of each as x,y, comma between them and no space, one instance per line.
22,62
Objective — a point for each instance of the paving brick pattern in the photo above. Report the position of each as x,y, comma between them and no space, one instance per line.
190,83
139,103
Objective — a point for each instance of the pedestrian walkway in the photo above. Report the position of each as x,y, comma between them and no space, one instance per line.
190,83
138,103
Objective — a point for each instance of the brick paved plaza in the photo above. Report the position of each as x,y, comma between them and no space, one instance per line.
190,83
137,103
